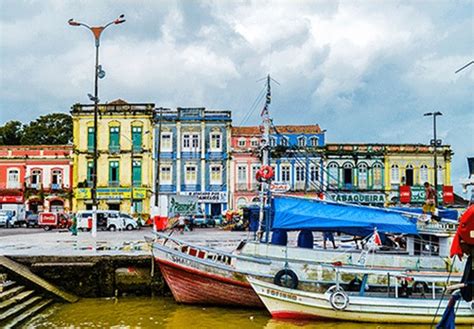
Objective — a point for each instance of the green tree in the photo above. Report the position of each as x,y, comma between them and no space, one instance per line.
11,133
50,129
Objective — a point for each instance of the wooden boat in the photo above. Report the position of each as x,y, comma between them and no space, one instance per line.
363,306
200,275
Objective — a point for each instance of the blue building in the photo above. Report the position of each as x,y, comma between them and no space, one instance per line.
192,157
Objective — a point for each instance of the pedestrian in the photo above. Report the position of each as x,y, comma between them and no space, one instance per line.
73,227
328,236
430,200
181,223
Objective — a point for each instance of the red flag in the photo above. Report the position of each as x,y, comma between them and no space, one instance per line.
377,239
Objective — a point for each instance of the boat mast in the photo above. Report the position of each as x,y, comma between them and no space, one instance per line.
265,149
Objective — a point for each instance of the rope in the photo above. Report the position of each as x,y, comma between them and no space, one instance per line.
254,106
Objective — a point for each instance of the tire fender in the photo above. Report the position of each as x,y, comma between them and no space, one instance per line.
281,278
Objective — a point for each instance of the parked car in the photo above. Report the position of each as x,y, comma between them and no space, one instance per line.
129,222
106,220
32,220
199,220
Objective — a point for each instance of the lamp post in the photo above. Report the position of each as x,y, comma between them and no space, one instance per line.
435,143
98,73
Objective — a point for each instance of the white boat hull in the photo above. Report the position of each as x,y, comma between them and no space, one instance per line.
289,303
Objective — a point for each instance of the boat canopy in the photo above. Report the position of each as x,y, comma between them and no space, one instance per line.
297,213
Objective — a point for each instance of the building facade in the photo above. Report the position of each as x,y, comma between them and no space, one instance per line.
38,176
296,156
408,167
373,174
125,161
192,147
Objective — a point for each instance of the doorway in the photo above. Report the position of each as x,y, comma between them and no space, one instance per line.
215,209
409,175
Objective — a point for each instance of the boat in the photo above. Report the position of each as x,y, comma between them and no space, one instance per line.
200,275
385,305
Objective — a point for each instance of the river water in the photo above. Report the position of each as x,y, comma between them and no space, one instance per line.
160,312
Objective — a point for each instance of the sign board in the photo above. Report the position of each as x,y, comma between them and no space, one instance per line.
208,197
11,199
279,187
448,194
405,194
111,193
358,197
183,205
418,194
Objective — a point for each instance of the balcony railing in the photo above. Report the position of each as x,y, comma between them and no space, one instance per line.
114,148
114,183
137,183
56,186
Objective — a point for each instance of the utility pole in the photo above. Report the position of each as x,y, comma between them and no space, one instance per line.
435,143
99,73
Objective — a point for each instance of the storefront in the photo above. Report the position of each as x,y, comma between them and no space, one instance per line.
113,198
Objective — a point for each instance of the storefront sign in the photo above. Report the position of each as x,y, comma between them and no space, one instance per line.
11,199
354,197
405,194
208,197
112,193
183,205
279,187
418,194
448,195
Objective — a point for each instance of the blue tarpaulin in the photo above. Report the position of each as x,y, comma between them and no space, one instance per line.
443,213
294,213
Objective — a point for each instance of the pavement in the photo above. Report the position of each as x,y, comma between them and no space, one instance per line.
37,242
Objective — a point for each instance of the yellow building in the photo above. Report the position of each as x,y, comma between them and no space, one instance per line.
124,133
413,165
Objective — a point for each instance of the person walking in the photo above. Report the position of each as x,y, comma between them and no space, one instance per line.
73,227
328,236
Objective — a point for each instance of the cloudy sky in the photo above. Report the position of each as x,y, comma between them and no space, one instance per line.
364,70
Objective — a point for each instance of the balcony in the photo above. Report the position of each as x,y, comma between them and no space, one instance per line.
114,148
34,186
190,187
137,183
137,149
56,187
242,187
114,183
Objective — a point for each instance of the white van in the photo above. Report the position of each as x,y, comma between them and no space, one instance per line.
17,212
106,220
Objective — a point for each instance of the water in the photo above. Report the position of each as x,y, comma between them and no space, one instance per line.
159,312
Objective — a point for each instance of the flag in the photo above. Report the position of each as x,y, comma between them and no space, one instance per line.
376,238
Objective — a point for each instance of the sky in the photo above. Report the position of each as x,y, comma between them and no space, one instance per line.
365,71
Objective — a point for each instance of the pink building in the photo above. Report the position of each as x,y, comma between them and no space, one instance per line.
296,159
38,176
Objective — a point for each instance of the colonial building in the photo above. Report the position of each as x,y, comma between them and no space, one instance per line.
374,173
355,173
192,146
38,176
408,167
125,162
296,157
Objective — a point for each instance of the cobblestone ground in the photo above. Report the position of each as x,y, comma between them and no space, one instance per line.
30,241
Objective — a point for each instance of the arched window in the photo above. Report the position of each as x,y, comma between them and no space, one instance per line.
362,175
395,174
313,141
333,173
13,178
35,179
347,175
241,202
423,174
409,175
440,175
377,175
301,141
56,179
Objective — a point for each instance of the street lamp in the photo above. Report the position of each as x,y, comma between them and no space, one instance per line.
98,73
435,143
